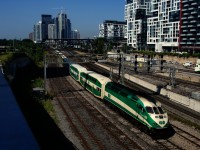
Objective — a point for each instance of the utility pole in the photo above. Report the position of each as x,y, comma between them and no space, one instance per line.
45,75
172,76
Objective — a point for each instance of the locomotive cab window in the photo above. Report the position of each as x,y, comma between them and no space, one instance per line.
156,110
161,110
149,110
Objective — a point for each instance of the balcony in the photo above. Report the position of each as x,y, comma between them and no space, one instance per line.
185,14
193,21
183,42
194,3
192,29
190,17
183,26
193,12
190,25
190,8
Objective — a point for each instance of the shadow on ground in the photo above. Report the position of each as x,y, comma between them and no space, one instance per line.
46,132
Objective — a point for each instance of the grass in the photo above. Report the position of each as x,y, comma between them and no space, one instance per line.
45,101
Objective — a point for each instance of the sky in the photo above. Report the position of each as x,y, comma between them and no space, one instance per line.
17,17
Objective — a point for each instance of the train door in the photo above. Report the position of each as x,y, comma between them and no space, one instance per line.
141,112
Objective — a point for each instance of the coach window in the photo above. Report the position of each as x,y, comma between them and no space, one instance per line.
98,89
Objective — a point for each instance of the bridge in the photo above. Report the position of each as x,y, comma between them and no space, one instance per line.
62,43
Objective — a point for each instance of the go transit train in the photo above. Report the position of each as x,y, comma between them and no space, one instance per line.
145,110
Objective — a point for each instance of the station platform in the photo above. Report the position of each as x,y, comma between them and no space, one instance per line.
15,132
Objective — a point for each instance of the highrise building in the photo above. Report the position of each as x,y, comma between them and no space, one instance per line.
190,26
163,25
153,24
52,32
46,20
75,34
31,36
62,25
136,13
38,32
69,30
112,29
56,28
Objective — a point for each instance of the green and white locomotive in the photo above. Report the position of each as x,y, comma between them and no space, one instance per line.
144,109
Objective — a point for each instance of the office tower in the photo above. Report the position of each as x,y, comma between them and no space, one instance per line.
38,32
111,29
31,36
46,20
62,25
52,33
69,30
75,34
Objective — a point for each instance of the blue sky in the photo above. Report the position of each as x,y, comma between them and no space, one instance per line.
17,17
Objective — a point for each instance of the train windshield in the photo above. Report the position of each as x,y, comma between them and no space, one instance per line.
161,110
149,110
156,110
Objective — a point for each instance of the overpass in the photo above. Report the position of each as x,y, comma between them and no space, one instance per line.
61,43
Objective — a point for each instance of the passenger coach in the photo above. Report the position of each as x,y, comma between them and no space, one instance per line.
75,71
94,82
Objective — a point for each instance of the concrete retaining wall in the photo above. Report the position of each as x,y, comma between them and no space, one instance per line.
180,99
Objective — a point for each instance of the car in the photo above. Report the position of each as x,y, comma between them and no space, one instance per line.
187,64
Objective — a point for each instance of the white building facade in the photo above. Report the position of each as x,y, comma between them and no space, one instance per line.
162,24
112,29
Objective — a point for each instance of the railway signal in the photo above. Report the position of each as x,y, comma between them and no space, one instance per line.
135,63
148,64
161,63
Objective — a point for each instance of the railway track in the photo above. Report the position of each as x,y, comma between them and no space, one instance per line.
79,114
100,113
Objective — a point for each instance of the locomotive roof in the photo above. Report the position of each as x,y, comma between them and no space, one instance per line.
102,79
148,101
125,91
